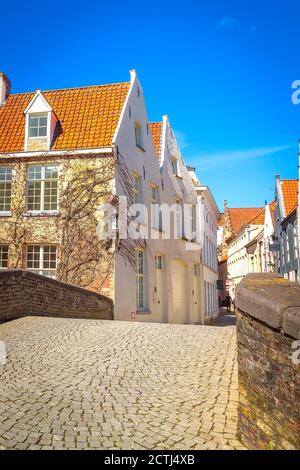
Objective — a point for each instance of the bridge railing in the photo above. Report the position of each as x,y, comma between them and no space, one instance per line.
23,293
268,334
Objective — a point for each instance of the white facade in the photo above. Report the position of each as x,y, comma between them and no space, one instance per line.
267,256
168,284
209,217
238,258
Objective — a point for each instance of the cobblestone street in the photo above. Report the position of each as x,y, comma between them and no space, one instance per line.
115,385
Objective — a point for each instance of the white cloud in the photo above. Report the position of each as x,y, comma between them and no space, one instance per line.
225,23
211,160
181,138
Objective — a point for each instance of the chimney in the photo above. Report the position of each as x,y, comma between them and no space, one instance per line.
4,88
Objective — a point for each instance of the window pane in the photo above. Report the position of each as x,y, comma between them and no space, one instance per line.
33,132
5,197
33,121
34,196
42,132
51,172
35,172
33,257
5,174
50,196
3,256
49,261
43,121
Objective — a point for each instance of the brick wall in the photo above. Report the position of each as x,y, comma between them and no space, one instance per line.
23,293
268,324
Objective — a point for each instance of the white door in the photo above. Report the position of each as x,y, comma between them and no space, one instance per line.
179,292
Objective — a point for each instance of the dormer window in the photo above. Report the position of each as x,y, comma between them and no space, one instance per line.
38,125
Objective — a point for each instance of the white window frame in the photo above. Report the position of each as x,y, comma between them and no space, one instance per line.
179,222
193,222
175,166
140,276
5,182
3,245
159,262
139,138
137,190
38,116
155,207
43,181
42,269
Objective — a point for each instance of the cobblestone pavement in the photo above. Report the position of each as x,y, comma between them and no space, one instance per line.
115,385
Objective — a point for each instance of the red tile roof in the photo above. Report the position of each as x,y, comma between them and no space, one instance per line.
290,195
259,219
88,117
242,216
156,128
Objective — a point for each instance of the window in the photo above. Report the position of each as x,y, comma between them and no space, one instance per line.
42,260
138,197
159,262
3,256
175,166
5,189
38,125
140,280
155,209
42,189
139,136
137,189
179,219
193,223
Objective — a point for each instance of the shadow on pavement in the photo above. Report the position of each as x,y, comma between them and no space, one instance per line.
226,319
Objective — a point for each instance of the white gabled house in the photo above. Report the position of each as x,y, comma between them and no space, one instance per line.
46,129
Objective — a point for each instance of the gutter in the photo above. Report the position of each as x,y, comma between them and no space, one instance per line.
54,153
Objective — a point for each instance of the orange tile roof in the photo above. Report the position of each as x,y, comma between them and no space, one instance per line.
156,128
290,195
259,219
242,216
88,117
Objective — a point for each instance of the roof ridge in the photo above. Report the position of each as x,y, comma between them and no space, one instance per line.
290,179
71,88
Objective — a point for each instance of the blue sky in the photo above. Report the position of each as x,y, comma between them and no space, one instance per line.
221,70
